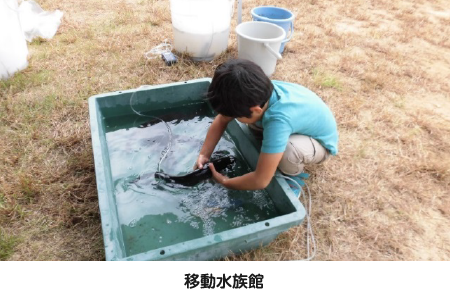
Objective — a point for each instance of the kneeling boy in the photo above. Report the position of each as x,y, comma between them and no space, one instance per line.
297,127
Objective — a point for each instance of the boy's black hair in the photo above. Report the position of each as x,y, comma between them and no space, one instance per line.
237,86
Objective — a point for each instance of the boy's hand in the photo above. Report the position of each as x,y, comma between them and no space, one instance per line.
221,179
201,160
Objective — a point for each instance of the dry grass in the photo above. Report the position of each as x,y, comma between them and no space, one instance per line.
382,66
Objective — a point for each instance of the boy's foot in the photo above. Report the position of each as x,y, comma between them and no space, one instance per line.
300,179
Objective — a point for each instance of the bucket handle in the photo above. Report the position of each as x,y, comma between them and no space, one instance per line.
273,52
291,34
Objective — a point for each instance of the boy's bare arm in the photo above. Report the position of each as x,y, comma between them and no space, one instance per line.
257,180
213,136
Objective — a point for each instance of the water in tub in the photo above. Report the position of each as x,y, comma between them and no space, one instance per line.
154,215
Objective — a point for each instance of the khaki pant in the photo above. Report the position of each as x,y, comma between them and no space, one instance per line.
300,151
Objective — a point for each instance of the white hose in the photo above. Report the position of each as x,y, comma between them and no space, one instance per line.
166,150
158,50
311,251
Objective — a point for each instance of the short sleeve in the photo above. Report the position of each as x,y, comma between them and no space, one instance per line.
275,135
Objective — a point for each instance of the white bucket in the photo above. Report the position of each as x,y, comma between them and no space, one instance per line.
260,42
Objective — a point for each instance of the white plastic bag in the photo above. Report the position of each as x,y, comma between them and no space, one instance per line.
37,22
13,47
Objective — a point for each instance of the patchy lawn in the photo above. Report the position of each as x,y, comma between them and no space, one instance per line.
382,66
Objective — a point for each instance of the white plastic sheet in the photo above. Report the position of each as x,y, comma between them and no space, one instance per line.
13,47
38,23
20,23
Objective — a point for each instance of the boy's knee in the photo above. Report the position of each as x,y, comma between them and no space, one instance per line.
301,150
291,163
293,160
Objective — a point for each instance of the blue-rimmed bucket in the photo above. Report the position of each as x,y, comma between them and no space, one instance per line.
279,16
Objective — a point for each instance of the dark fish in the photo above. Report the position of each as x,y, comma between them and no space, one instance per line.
199,175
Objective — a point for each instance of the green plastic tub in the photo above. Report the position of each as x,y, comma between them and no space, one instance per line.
136,241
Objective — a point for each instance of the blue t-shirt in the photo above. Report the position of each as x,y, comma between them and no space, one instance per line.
294,109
